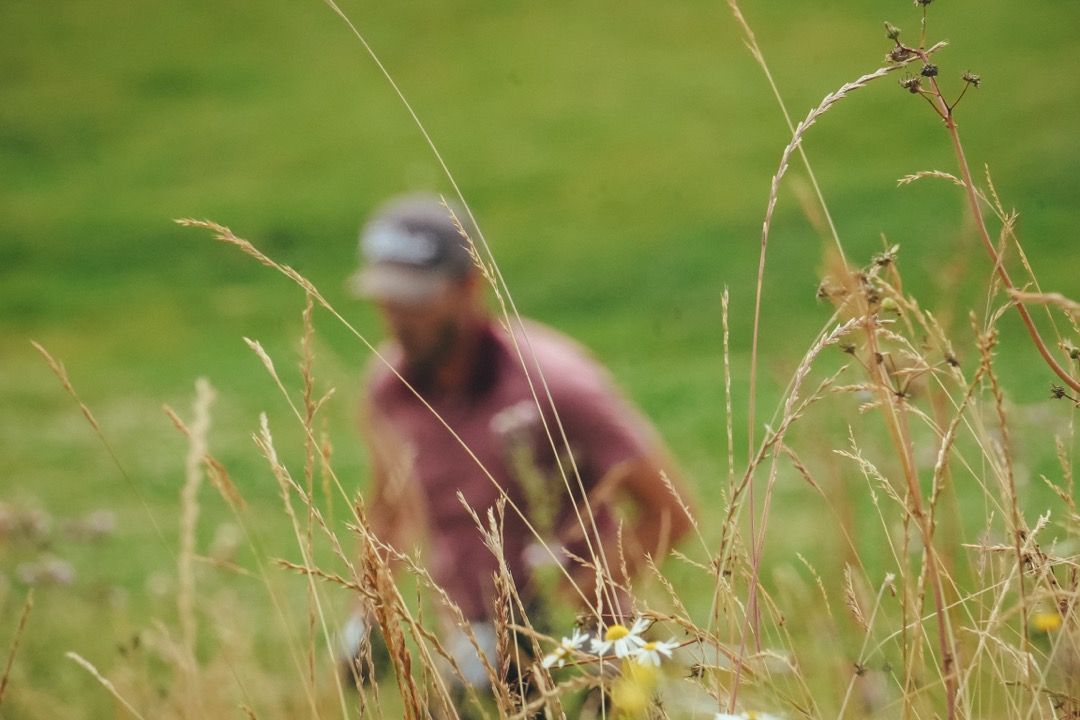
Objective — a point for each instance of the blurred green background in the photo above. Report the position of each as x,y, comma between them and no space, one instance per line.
617,158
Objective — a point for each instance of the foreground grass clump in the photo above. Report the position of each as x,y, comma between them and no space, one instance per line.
929,571
922,607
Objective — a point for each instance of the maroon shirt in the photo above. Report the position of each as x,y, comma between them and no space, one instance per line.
499,421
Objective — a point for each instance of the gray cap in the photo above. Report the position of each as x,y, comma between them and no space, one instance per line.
410,249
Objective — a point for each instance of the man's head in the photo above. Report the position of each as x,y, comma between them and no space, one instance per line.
416,266
412,248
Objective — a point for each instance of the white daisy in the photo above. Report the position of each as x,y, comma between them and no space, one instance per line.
625,641
565,650
650,652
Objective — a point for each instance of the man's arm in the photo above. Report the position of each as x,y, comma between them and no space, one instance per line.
652,504
659,503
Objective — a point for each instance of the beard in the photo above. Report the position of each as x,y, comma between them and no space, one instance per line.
424,354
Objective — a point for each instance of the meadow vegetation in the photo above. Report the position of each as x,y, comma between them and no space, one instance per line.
883,462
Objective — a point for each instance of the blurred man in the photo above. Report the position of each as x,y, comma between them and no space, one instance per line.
460,407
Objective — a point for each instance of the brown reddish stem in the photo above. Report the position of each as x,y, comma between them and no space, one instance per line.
946,111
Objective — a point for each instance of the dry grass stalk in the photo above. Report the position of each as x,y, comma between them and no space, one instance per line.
796,143
945,110
895,409
61,372
818,582
189,518
505,647
105,683
908,179
865,652
216,471
851,601
27,606
1070,307
264,440
387,610
759,57
492,534
377,587
311,407
771,446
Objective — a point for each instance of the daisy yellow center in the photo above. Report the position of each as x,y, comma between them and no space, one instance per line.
615,633
649,646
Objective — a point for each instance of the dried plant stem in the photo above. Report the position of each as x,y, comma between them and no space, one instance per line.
869,627
773,445
1018,531
972,195
189,517
105,683
310,446
980,222
796,143
264,440
759,56
895,413
61,373
27,606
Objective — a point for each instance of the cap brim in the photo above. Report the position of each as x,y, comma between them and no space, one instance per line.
403,285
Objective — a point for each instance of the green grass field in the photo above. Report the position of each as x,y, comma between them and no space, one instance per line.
618,160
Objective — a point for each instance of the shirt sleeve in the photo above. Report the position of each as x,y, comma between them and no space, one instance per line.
603,430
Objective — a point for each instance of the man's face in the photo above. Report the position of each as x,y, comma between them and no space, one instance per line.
428,333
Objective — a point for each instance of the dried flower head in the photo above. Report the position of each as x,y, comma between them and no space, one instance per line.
971,78
886,258
912,83
899,54
929,70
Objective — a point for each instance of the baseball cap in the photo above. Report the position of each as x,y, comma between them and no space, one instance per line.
410,249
